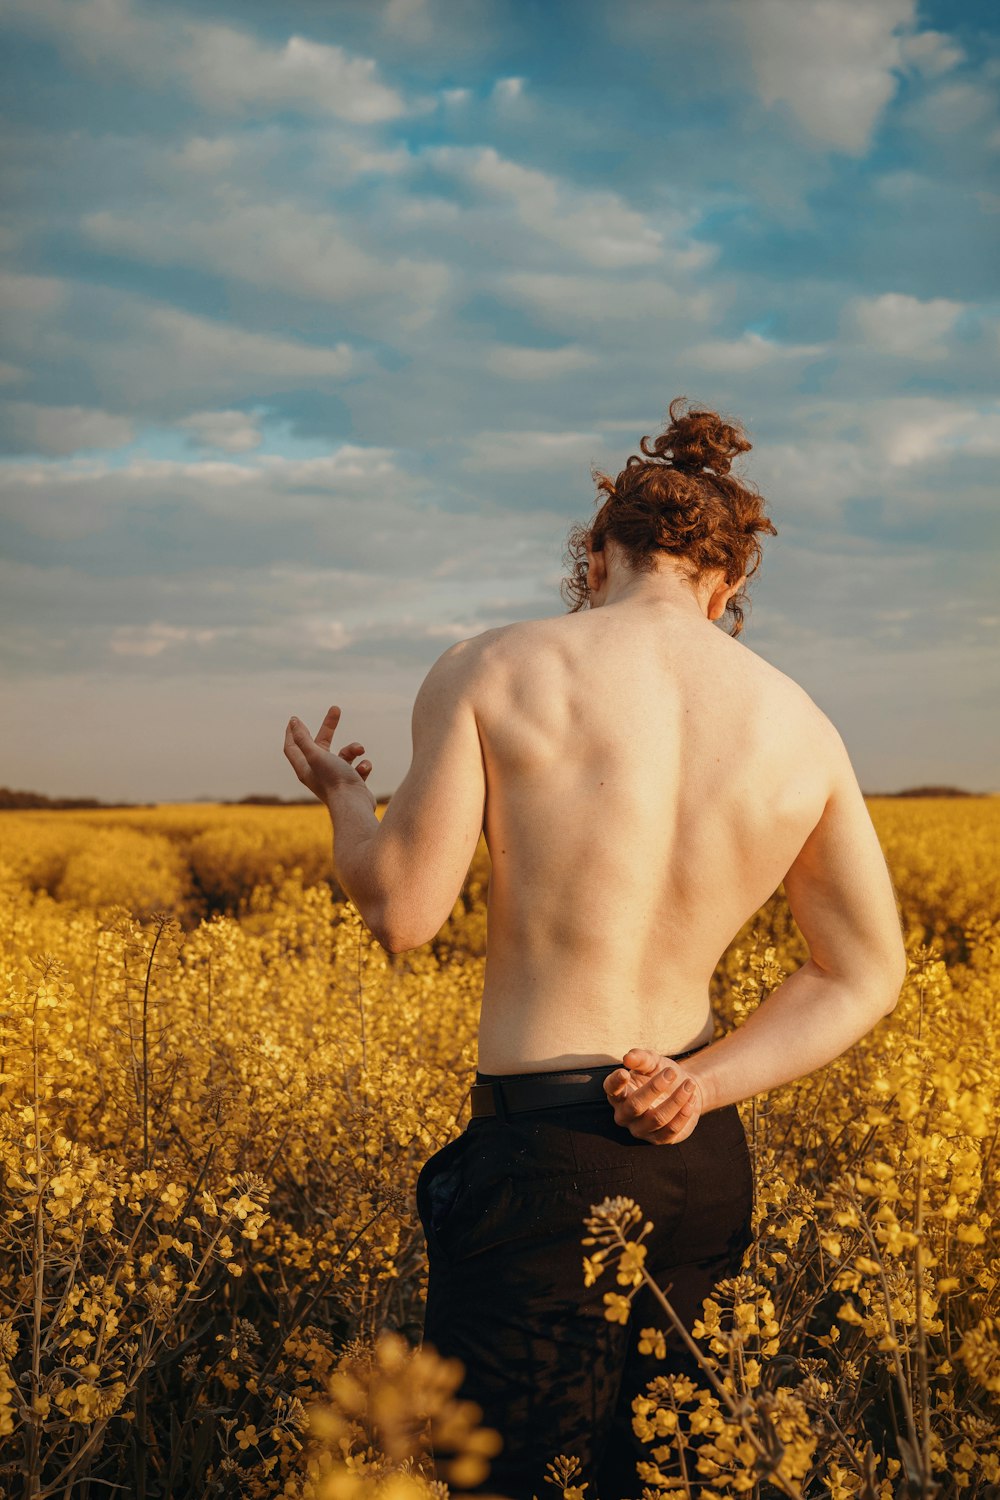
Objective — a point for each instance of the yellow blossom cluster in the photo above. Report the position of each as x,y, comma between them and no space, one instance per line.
216,1091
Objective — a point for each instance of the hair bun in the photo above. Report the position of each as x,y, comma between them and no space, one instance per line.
698,440
678,499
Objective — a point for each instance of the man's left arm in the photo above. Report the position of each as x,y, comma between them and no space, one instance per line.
405,872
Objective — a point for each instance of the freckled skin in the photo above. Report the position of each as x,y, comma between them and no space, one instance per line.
607,915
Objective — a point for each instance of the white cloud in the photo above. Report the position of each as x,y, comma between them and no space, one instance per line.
79,497
896,323
410,18
30,293
225,68
598,228
269,242
508,89
318,568
64,429
246,163
362,160
518,363
592,301
629,424
201,153
932,52
923,429
233,431
155,638
953,108
304,633
895,451
831,62
901,186
453,630
149,356
322,633
750,351
812,474
529,450
220,349
231,68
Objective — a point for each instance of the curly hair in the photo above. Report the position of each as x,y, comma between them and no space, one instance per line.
688,505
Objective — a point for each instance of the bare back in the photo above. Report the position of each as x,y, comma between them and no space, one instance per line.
649,782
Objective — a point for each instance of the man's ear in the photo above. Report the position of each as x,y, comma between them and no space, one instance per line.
722,596
598,562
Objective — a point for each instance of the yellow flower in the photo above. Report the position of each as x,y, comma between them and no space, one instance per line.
652,1341
617,1308
593,1265
630,1264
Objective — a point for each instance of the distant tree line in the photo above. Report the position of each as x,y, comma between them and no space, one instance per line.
10,799
929,791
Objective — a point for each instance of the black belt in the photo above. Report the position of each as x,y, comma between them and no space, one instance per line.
542,1090
548,1090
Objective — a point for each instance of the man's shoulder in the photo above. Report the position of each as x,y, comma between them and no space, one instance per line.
787,696
517,630
499,642
481,667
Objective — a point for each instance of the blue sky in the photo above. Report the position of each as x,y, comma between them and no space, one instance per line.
318,314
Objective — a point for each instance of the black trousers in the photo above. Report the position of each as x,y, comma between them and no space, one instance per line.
502,1208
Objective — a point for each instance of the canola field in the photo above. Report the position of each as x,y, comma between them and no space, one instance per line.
216,1092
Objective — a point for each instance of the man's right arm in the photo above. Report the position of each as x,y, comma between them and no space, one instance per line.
840,893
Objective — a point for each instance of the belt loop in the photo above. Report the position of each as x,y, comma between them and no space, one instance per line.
501,1103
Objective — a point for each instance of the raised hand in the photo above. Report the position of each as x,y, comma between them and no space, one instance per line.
316,767
655,1098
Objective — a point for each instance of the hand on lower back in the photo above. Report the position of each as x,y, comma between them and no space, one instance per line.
651,1098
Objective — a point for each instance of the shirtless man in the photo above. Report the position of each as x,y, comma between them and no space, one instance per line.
644,782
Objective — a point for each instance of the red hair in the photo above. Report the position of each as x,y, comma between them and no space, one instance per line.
688,505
